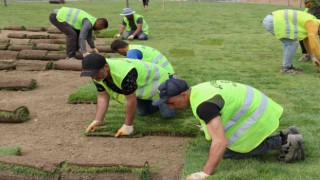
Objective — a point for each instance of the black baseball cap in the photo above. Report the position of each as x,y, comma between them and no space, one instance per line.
91,64
170,88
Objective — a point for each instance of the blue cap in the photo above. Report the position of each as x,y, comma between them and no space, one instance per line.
170,88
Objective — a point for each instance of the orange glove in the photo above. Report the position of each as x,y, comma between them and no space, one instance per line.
95,50
124,130
197,176
93,126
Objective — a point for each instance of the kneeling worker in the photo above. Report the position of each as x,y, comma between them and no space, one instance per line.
124,79
142,52
237,118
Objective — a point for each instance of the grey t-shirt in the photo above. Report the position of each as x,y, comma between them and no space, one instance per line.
86,34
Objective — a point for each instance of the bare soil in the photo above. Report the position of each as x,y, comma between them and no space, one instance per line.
55,132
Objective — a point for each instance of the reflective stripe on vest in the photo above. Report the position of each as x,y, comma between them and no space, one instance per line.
158,58
154,82
248,116
75,17
144,27
152,55
290,24
243,109
294,21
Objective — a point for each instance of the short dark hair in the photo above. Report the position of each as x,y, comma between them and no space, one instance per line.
117,44
104,22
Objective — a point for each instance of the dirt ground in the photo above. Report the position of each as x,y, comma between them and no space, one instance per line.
55,132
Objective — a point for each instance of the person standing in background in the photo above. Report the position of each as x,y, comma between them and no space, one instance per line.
145,4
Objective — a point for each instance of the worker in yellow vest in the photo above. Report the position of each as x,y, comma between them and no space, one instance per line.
312,7
134,26
291,26
142,52
236,118
135,82
78,26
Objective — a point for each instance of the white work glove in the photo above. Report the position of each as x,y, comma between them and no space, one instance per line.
197,176
93,126
124,130
130,37
95,50
117,36
85,54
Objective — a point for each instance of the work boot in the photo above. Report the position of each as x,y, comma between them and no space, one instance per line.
291,70
305,58
292,150
290,130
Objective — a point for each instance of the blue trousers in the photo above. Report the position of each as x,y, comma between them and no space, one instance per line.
145,107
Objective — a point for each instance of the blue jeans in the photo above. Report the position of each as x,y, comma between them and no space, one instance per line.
271,142
145,107
140,35
289,46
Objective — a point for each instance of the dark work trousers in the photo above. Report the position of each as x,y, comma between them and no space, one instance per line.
303,49
272,142
72,45
145,2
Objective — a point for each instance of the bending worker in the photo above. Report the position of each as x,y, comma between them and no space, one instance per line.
142,52
312,7
134,24
78,26
124,79
291,26
237,118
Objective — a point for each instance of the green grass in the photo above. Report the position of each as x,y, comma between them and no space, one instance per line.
209,41
4,150
182,125
143,171
84,95
25,170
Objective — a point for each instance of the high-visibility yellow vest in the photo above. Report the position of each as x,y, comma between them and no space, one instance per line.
150,76
150,54
248,116
74,17
145,27
290,24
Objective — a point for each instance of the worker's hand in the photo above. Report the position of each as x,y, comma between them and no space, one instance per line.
95,50
93,126
117,36
197,176
124,130
130,37
85,54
